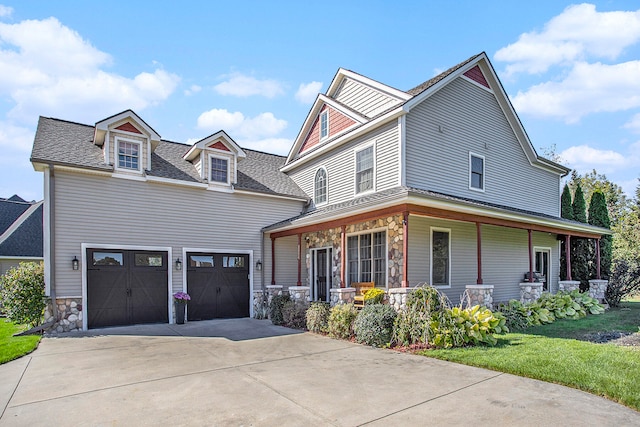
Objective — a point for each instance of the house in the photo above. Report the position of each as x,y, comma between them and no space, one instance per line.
436,184
20,232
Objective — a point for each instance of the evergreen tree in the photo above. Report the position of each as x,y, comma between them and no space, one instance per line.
580,248
566,212
599,216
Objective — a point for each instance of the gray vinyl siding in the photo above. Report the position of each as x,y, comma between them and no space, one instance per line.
471,120
110,211
340,165
505,256
364,99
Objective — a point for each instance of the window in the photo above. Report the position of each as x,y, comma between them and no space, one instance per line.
366,258
107,258
219,169
128,155
324,124
476,172
320,192
233,262
201,261
148,260
440,257
364,170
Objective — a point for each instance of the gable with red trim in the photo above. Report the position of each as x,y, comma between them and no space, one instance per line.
337,123
128,127
476,75
219,146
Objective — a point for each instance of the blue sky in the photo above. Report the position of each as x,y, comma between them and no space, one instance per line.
253,69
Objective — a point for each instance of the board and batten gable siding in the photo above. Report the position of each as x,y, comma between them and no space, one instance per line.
111,211
340,165
463,118
364,99
505,256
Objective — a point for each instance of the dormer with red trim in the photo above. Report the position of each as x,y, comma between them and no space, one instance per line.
216,160
127,142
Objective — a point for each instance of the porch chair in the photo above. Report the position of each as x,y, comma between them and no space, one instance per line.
361,289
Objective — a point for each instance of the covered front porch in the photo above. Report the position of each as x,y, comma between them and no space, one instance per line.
466,249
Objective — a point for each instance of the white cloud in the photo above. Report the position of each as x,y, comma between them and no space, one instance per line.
588,88
577,33
193,89
49,69
244,86
15,138
307,92
238,126
584,158
5,11
634,124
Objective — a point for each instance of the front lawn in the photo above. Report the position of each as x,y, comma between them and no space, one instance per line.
13,347
558,353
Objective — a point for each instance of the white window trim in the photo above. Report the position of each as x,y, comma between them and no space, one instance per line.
355,169
484,176
326,175
228,160
116,158
386,250
442,230
323,113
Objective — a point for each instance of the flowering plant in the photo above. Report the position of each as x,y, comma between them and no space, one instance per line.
182,297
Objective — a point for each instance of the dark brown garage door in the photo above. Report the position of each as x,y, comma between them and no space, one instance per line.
126,287
218,285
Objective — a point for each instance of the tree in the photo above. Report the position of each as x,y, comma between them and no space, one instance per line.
617,202
580,249
599,216
22,293
566,211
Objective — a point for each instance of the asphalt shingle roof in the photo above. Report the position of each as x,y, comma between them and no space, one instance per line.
61,142
26,240
10,211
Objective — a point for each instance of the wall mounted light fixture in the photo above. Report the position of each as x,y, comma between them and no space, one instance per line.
178,264
75,263
259,265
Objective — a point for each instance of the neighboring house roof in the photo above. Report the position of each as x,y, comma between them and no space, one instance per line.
409,195
60,142
23,236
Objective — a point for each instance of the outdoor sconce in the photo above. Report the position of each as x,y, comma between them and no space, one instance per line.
259,265
178,264
75,263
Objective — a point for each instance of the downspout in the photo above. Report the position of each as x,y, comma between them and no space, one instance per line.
52,245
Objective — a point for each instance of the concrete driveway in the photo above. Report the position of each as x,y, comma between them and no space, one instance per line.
249,372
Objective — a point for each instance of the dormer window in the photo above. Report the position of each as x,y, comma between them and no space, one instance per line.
219,169
128,154
324,124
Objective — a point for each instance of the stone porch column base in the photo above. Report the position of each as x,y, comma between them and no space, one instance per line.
530,291
481,295
568,285
342,295
300,294
597,289
398,297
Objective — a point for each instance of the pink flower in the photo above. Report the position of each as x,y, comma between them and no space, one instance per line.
181,297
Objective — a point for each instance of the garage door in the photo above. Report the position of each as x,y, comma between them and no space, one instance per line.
218,284
126,287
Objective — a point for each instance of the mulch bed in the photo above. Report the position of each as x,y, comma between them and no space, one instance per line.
621,338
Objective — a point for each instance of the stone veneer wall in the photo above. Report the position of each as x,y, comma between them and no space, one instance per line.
530,292
598,288
481,295
69,315
568,285
332,238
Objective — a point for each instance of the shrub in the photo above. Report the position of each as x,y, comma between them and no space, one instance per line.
412,325
22,293
275,308
294,315
624,281
516,315
374,296
374,325
318,317
341,318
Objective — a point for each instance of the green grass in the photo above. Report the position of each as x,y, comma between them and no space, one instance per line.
13,347
554,353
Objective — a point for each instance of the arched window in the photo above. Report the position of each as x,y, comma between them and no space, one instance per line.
320,193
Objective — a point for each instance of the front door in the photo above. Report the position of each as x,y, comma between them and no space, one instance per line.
321,274
542,266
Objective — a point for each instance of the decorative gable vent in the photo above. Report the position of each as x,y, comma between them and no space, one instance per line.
476,75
